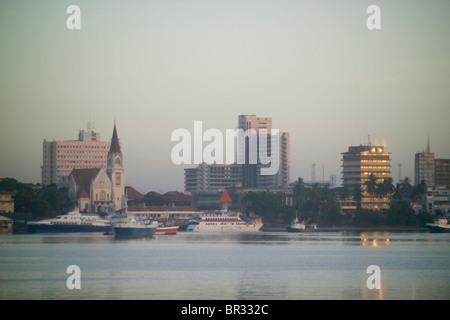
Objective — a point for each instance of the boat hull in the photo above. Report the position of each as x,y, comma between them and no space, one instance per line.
133,232
167,230
290,229
44,228
435,228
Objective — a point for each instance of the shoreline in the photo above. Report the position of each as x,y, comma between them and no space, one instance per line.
358,229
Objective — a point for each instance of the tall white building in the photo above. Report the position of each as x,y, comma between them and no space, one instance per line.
251,173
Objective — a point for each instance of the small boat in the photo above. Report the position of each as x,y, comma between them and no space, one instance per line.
130,227
73,221
439,226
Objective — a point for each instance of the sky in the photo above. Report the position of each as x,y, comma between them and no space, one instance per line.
156,66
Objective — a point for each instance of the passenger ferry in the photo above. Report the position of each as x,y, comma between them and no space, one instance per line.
73,221
224,221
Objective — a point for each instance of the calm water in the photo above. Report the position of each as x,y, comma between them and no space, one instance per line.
266,265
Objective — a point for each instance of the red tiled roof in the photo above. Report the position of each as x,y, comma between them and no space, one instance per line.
225,197
132,193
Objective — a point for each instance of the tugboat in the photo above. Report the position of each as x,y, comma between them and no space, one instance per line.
439,226
130,227
125,226
297,226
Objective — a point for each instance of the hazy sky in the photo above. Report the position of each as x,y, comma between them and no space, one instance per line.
313,66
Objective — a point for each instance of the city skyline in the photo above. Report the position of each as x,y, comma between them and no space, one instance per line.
313,67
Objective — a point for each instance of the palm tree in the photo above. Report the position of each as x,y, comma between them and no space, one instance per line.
387,187
371,186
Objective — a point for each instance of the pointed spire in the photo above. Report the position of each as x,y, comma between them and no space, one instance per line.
115,146
428,145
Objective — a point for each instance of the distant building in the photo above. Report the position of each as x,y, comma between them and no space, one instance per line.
212,178
358,164
60,157
435,172
6,202
92,188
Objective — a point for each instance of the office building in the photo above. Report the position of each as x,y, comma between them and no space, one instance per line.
358,164
435,172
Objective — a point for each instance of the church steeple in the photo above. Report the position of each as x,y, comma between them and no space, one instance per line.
115,146
116,172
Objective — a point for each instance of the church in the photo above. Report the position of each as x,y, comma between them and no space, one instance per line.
94,189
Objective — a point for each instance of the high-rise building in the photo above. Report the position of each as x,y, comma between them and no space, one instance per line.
435,172
251,172
60,157
358,164
424,167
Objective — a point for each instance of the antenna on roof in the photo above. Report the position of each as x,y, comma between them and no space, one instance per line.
368,140
90,124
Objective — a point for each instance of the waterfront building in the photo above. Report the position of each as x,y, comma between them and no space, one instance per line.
358,164
435,201
94,188
60,157
6,202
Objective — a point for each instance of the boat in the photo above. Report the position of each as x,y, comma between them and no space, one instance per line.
72,221
167,230
297,226
223,221
439,226
132,227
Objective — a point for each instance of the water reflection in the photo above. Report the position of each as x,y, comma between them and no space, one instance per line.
375,239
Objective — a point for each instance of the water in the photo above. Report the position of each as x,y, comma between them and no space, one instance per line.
265,265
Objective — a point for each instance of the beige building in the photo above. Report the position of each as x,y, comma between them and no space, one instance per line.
60,157
358,164
6,202
92,188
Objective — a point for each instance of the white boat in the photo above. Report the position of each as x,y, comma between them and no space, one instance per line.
224,221
439,225
297,226
73,221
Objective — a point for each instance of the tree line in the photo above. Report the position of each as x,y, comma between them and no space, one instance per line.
321,205
40,201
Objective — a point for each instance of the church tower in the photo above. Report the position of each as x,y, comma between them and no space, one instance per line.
116,173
